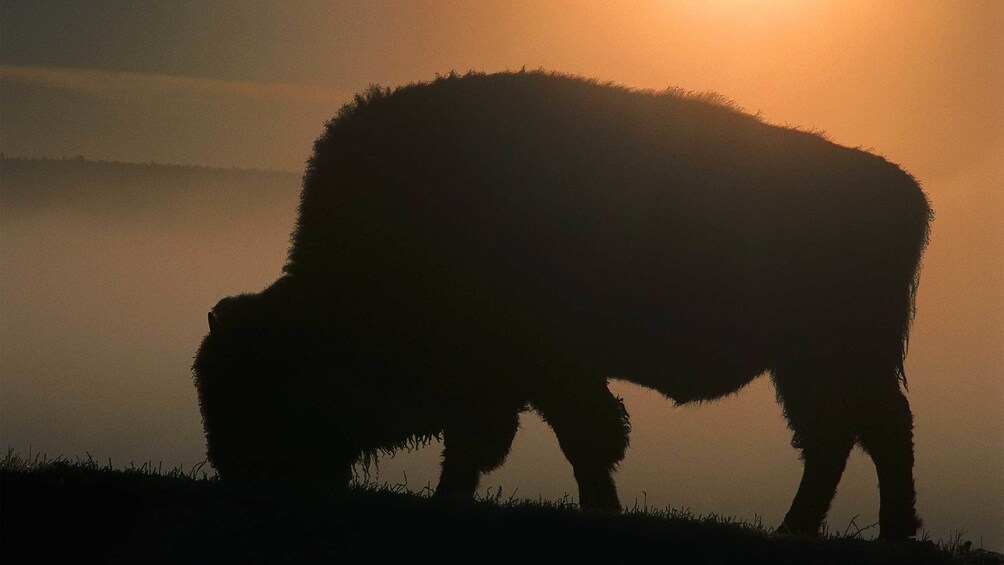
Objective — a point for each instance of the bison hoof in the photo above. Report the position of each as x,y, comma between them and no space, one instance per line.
903,529
789,529
603,502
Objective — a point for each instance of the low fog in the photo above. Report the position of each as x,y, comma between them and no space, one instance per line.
107,271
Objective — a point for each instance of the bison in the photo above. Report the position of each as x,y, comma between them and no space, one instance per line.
480,245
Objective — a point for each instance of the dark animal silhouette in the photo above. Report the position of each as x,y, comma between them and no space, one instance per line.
478,245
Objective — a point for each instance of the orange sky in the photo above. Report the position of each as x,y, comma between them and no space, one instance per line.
249,85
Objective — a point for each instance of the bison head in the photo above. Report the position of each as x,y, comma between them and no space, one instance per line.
287,394
261,413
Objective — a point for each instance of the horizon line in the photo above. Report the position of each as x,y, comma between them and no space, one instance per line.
81,158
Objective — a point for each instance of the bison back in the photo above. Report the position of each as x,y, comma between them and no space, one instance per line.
553,220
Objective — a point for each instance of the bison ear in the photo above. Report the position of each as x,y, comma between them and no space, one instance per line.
213,322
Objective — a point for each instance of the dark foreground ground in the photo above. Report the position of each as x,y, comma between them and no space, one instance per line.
81,511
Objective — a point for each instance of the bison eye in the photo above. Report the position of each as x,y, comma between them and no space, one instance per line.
213,322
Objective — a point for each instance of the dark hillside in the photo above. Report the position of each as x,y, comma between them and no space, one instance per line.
82,511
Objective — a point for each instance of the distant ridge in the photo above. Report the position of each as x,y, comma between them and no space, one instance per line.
80,184
4,159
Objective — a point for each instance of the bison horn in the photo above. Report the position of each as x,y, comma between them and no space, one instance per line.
213,321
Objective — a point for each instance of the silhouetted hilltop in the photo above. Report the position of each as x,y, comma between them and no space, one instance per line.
80,509
113,188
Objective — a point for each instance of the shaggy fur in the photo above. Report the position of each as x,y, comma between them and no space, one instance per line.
477,245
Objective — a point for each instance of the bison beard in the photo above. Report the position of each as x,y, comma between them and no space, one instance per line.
479,245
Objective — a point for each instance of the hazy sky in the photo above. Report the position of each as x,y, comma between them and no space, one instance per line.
249,84
915,79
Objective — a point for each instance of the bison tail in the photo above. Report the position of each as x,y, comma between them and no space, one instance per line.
913,236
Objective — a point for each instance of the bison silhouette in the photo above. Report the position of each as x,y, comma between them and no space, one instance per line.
479,245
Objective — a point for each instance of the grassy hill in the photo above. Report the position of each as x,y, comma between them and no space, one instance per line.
79,510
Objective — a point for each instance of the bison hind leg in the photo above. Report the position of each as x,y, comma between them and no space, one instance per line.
475,441
592,429
830,406
814,400
886,434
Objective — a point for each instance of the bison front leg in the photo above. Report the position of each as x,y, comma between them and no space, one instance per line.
592,430
474,443
816,403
